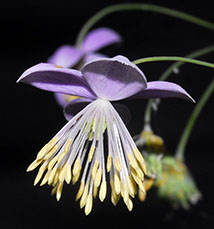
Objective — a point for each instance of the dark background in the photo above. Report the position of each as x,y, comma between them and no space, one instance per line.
30,32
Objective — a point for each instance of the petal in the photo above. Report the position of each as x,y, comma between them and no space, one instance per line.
114,78
66,56
162,89
56,79
74,107
100,38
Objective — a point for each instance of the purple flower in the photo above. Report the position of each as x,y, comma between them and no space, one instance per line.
69,56
79,147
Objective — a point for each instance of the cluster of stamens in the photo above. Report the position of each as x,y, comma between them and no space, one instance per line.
78,150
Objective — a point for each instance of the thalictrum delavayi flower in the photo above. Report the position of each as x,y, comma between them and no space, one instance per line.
79,149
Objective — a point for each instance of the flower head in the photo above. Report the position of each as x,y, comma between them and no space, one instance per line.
95,141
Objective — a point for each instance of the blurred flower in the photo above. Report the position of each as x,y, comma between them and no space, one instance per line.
79,145
72,57
176,185
68,56
147,139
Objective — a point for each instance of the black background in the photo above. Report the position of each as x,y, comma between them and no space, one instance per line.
30,32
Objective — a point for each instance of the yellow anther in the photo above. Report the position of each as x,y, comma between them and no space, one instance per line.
140,158
61,156
77,166
91,153
140,173
42,152
109,163
114,198
84,197
117,184
129,204
98,177
52,162
59,191
95,190
117,164
67,145
45,149
89,203
58,66
66,150
132,161
40,173
62,173
103,190
133,183
141,186
53,191
52,175
56,178
68,98
148,183
76,177
45,179
141,195
33,165
80,191
68,174
131,187
94,168
51,152
124,191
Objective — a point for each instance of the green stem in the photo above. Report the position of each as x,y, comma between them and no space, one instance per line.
173,58
166,74
140,7
179,155
178,64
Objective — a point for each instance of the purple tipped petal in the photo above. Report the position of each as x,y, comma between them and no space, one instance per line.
162,89
100,38
66,56
114,78
56,79
73,107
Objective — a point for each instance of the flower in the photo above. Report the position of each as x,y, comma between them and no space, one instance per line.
69,56
79,149
176,184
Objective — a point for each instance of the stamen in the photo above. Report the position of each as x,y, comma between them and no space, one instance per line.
77,150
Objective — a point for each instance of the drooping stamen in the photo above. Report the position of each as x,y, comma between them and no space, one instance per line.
80,144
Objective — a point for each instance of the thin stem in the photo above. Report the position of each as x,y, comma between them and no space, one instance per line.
148,113
179,155
173,58
178,64
140,7
166,74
